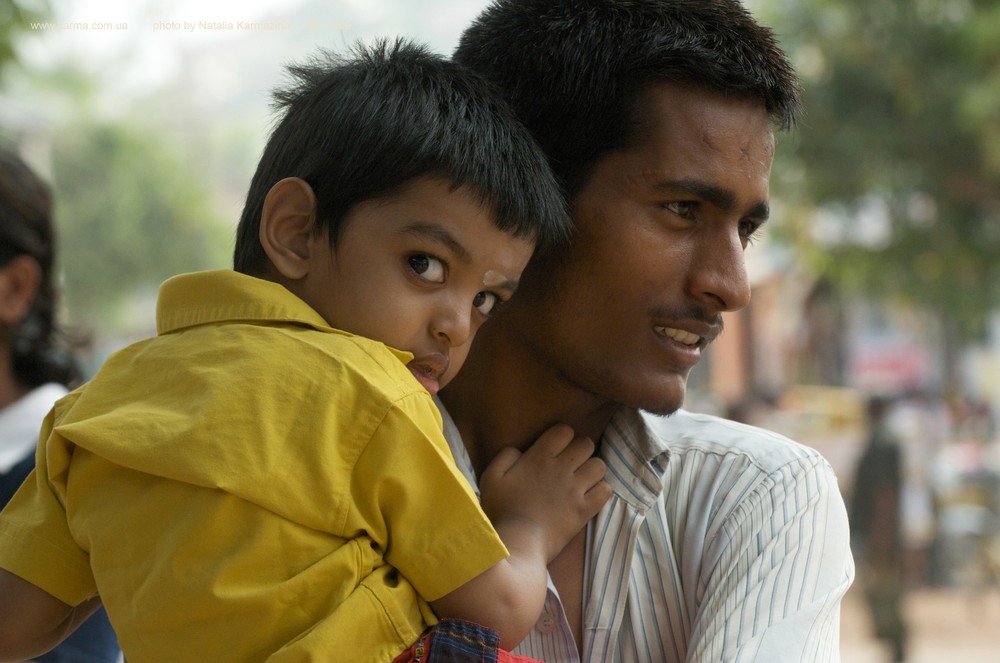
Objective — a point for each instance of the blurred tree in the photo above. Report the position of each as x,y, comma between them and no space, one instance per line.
130,214
898,154
16,17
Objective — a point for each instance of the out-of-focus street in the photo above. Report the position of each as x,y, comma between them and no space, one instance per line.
938,519
946,626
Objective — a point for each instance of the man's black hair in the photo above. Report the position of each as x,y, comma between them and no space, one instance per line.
358,127
574,70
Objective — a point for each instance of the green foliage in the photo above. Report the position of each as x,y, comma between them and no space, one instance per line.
130,213
131,209
899,149
16,17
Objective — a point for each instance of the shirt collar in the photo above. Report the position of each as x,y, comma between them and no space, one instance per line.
224,295
636,457
635,454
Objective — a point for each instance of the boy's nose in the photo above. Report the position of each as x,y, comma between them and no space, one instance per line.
452,326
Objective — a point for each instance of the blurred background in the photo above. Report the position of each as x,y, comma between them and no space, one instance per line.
879,274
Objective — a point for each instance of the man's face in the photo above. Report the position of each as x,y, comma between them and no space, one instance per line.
420,271
658,251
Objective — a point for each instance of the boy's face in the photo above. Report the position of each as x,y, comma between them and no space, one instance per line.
419,271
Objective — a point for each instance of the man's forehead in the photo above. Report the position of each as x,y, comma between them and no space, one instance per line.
665,106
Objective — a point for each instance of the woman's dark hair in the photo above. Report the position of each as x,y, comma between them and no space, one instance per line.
38,349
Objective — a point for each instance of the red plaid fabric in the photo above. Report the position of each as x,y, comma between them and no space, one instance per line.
457,641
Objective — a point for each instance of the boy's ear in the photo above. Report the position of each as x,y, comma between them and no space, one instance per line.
287,223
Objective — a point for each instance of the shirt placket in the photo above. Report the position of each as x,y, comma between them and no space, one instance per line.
612,541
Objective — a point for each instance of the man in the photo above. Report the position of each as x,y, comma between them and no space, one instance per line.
876,527
721,542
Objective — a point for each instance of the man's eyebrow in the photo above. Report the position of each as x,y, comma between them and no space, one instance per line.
718,196
440,235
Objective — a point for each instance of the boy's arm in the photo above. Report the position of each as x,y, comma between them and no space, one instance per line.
537,501
32,621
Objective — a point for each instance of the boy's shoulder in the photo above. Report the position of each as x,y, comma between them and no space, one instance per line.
257,326
376,363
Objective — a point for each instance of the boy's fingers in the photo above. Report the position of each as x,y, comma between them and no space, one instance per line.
502,462
577,452
598,494
592,471
552,441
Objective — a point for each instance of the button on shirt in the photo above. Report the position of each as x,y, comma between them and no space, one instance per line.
721,542
546,624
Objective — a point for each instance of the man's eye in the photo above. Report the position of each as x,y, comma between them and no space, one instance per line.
750,231
484,302
428,268
681,208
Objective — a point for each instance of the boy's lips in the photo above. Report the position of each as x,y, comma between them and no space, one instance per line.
428,370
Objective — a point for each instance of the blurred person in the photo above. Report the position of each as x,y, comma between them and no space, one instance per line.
721,542
36,365
876,527
921,422
267,479
966,485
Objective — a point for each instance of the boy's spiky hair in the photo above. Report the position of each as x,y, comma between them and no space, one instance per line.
359,126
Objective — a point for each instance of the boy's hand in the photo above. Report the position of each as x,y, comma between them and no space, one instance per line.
553,488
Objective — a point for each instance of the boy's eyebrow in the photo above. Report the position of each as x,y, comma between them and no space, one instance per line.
438,234
718,196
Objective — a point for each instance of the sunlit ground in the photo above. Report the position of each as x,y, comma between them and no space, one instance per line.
946,626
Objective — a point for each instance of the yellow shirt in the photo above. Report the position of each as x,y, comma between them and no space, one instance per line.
245,486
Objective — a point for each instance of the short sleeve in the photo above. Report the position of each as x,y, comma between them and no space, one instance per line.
410,498
35,539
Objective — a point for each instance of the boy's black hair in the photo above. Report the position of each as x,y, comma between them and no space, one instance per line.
358,127
39,351
574,69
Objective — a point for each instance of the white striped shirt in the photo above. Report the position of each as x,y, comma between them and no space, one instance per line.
722,542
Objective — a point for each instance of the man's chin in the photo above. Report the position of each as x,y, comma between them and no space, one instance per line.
665,401
662,411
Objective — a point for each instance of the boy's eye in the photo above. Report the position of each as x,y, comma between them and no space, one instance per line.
428,268
484,302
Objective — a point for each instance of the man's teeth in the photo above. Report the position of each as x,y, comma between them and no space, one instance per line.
679,335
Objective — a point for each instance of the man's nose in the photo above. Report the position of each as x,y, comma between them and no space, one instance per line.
720,274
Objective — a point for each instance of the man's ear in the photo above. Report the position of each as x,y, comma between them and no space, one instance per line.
287,223
19,282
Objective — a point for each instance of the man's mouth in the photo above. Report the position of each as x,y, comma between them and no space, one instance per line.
679,335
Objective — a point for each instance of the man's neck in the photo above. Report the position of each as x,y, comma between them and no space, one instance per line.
505,395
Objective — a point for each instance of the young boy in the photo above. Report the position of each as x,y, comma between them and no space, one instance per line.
262,480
